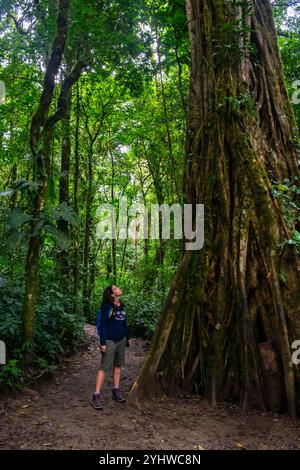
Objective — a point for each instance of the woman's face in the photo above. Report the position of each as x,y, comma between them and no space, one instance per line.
116,291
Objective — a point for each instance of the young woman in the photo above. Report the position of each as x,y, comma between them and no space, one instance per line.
113,332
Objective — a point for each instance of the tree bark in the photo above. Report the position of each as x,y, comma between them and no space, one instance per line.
40,139
86,291
40,136
93,134
155,171
64,191
113,241
76,242
228,296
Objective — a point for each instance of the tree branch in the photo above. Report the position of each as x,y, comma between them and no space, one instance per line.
39,118
66,86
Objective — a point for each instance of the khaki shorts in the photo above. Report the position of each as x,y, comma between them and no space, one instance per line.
114,355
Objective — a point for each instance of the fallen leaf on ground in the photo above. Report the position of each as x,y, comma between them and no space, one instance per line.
239,445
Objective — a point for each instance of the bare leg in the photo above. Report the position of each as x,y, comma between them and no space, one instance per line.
117,377
100,380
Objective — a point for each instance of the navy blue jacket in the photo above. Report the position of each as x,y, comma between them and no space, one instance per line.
112,326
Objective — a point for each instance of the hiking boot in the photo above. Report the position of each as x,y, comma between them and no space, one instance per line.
96,401
118,395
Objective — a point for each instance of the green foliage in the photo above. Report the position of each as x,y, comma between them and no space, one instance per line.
288,25
143,313
58,330
228,41
128,129
18,228
10,314
17,217
239,104
283,277
10,375
288,194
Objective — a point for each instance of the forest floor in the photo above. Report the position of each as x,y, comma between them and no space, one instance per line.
57,415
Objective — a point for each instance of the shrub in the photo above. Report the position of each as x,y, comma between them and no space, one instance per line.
58,330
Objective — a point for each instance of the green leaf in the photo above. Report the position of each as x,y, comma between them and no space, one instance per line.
23,185
60,237
51,189
179,19
17,217
13,240
296,237
68,214
283,188
283,277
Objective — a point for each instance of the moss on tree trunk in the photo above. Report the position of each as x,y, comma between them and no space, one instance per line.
233,314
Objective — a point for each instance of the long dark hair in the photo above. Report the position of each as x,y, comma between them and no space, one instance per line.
108,298
107,295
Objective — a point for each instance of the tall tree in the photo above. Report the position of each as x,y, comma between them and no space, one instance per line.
64,180
94,123
42,125
229,298
76,255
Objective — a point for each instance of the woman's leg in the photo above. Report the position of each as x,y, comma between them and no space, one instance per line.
100,380
106,364
119,362
117,377
117,393
96,401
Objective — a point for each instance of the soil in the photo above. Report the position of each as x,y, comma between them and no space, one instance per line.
57,414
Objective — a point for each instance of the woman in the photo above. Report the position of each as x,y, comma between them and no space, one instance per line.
113,332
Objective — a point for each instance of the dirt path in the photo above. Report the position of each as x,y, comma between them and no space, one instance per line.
57,415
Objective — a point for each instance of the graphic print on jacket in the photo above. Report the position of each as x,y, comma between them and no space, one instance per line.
120,313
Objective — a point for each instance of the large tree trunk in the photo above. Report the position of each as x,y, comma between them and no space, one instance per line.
229,320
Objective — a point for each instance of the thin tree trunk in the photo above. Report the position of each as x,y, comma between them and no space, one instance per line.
13,179
88,212
75,196
93,265
174,182
113,241
180,83
64,195
156,177
87,234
